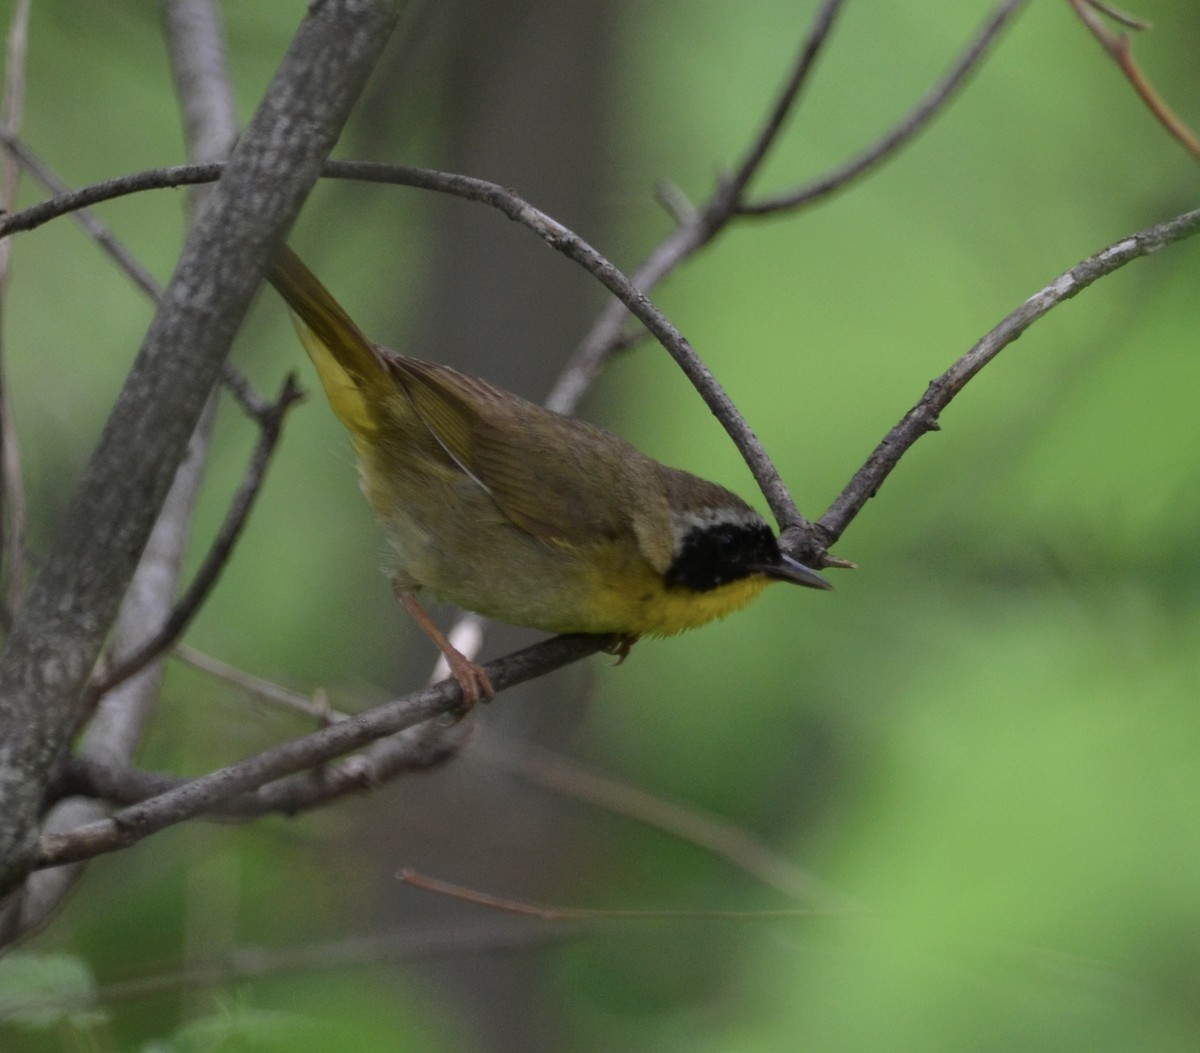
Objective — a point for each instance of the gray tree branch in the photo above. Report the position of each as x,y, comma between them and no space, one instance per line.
114,731
73,601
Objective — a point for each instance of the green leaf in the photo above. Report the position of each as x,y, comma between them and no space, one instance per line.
42,991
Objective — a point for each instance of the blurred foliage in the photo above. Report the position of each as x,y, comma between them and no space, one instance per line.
985,739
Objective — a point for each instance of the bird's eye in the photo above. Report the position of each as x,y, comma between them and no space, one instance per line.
728,543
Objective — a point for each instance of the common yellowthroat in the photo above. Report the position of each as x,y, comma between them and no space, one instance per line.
521,514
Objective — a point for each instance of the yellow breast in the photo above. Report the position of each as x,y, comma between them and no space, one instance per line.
643,605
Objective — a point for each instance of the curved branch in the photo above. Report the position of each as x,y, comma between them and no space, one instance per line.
923,417
697,227
1119,49
558,237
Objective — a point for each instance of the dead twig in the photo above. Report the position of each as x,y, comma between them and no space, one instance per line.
125,666
207,793
536,910
912,124
1118,47
923,417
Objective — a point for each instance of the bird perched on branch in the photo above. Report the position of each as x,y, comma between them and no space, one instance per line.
521,514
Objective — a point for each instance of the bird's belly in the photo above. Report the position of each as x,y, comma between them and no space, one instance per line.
543,585
484,563
464,550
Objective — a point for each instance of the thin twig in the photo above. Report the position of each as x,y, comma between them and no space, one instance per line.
422,746
544,913
253,404
1118,47
909,127
317,708
125,666
1123,18
729,192
93,226
208,792
923,417
712,833
699,227
443,937
248,963
76,202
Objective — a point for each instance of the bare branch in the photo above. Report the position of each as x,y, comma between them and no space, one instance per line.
92,225
72,603
66,202
125,666
417,748
210,792
443,937
923,417
573,247
912,124
712,833
195,37
730,192
1117,46
544,913
264,690
606,333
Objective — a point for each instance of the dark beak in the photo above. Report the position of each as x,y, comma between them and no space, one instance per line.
792,570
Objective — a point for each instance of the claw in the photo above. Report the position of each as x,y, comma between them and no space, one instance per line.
621,646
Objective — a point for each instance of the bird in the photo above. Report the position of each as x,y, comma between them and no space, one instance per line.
520,514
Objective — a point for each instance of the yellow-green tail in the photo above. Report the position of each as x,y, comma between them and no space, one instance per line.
350,369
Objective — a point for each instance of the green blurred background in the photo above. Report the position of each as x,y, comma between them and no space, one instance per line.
984,746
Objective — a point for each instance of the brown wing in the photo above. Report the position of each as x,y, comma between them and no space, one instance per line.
553,476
